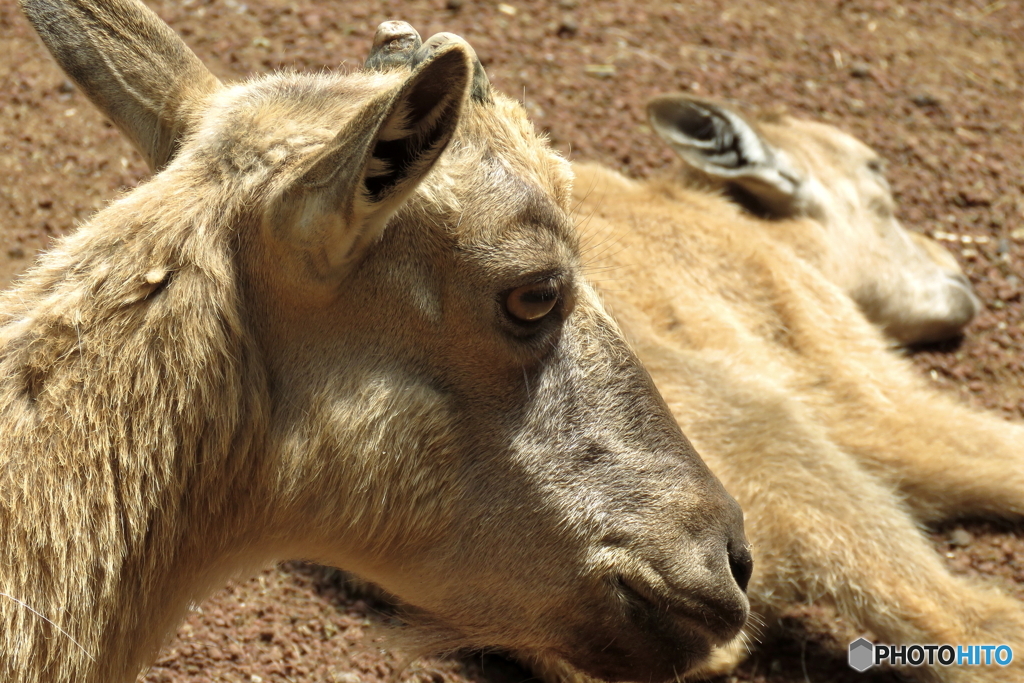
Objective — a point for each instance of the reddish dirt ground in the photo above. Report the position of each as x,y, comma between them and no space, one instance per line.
936,87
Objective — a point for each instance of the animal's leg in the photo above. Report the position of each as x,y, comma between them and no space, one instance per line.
844,539
946,459
824,528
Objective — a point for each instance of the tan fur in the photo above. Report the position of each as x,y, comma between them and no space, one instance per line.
836,449
292,342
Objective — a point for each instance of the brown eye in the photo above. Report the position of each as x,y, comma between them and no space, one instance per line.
530,303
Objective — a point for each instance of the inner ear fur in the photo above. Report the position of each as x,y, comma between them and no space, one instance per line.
722,146
373,165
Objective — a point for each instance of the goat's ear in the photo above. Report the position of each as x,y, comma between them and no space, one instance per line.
372,166
723,146
132,66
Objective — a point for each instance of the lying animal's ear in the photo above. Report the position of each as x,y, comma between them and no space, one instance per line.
721,145
342,201
132,66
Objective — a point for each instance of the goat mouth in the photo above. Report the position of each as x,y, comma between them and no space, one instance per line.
701,618
642,652
649,639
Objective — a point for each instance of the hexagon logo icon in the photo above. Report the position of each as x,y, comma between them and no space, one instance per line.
862,655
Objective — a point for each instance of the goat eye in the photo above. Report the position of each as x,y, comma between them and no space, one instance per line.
530,303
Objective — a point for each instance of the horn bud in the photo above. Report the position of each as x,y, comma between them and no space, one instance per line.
394,45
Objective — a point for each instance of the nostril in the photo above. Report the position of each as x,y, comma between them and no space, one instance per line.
741,564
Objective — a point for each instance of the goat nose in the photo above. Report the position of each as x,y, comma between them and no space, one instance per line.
963,302
737,549
724,592
741,563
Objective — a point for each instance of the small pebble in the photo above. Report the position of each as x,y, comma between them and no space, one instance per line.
925,100
568,27
600,70
860,70
960,538
346,677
